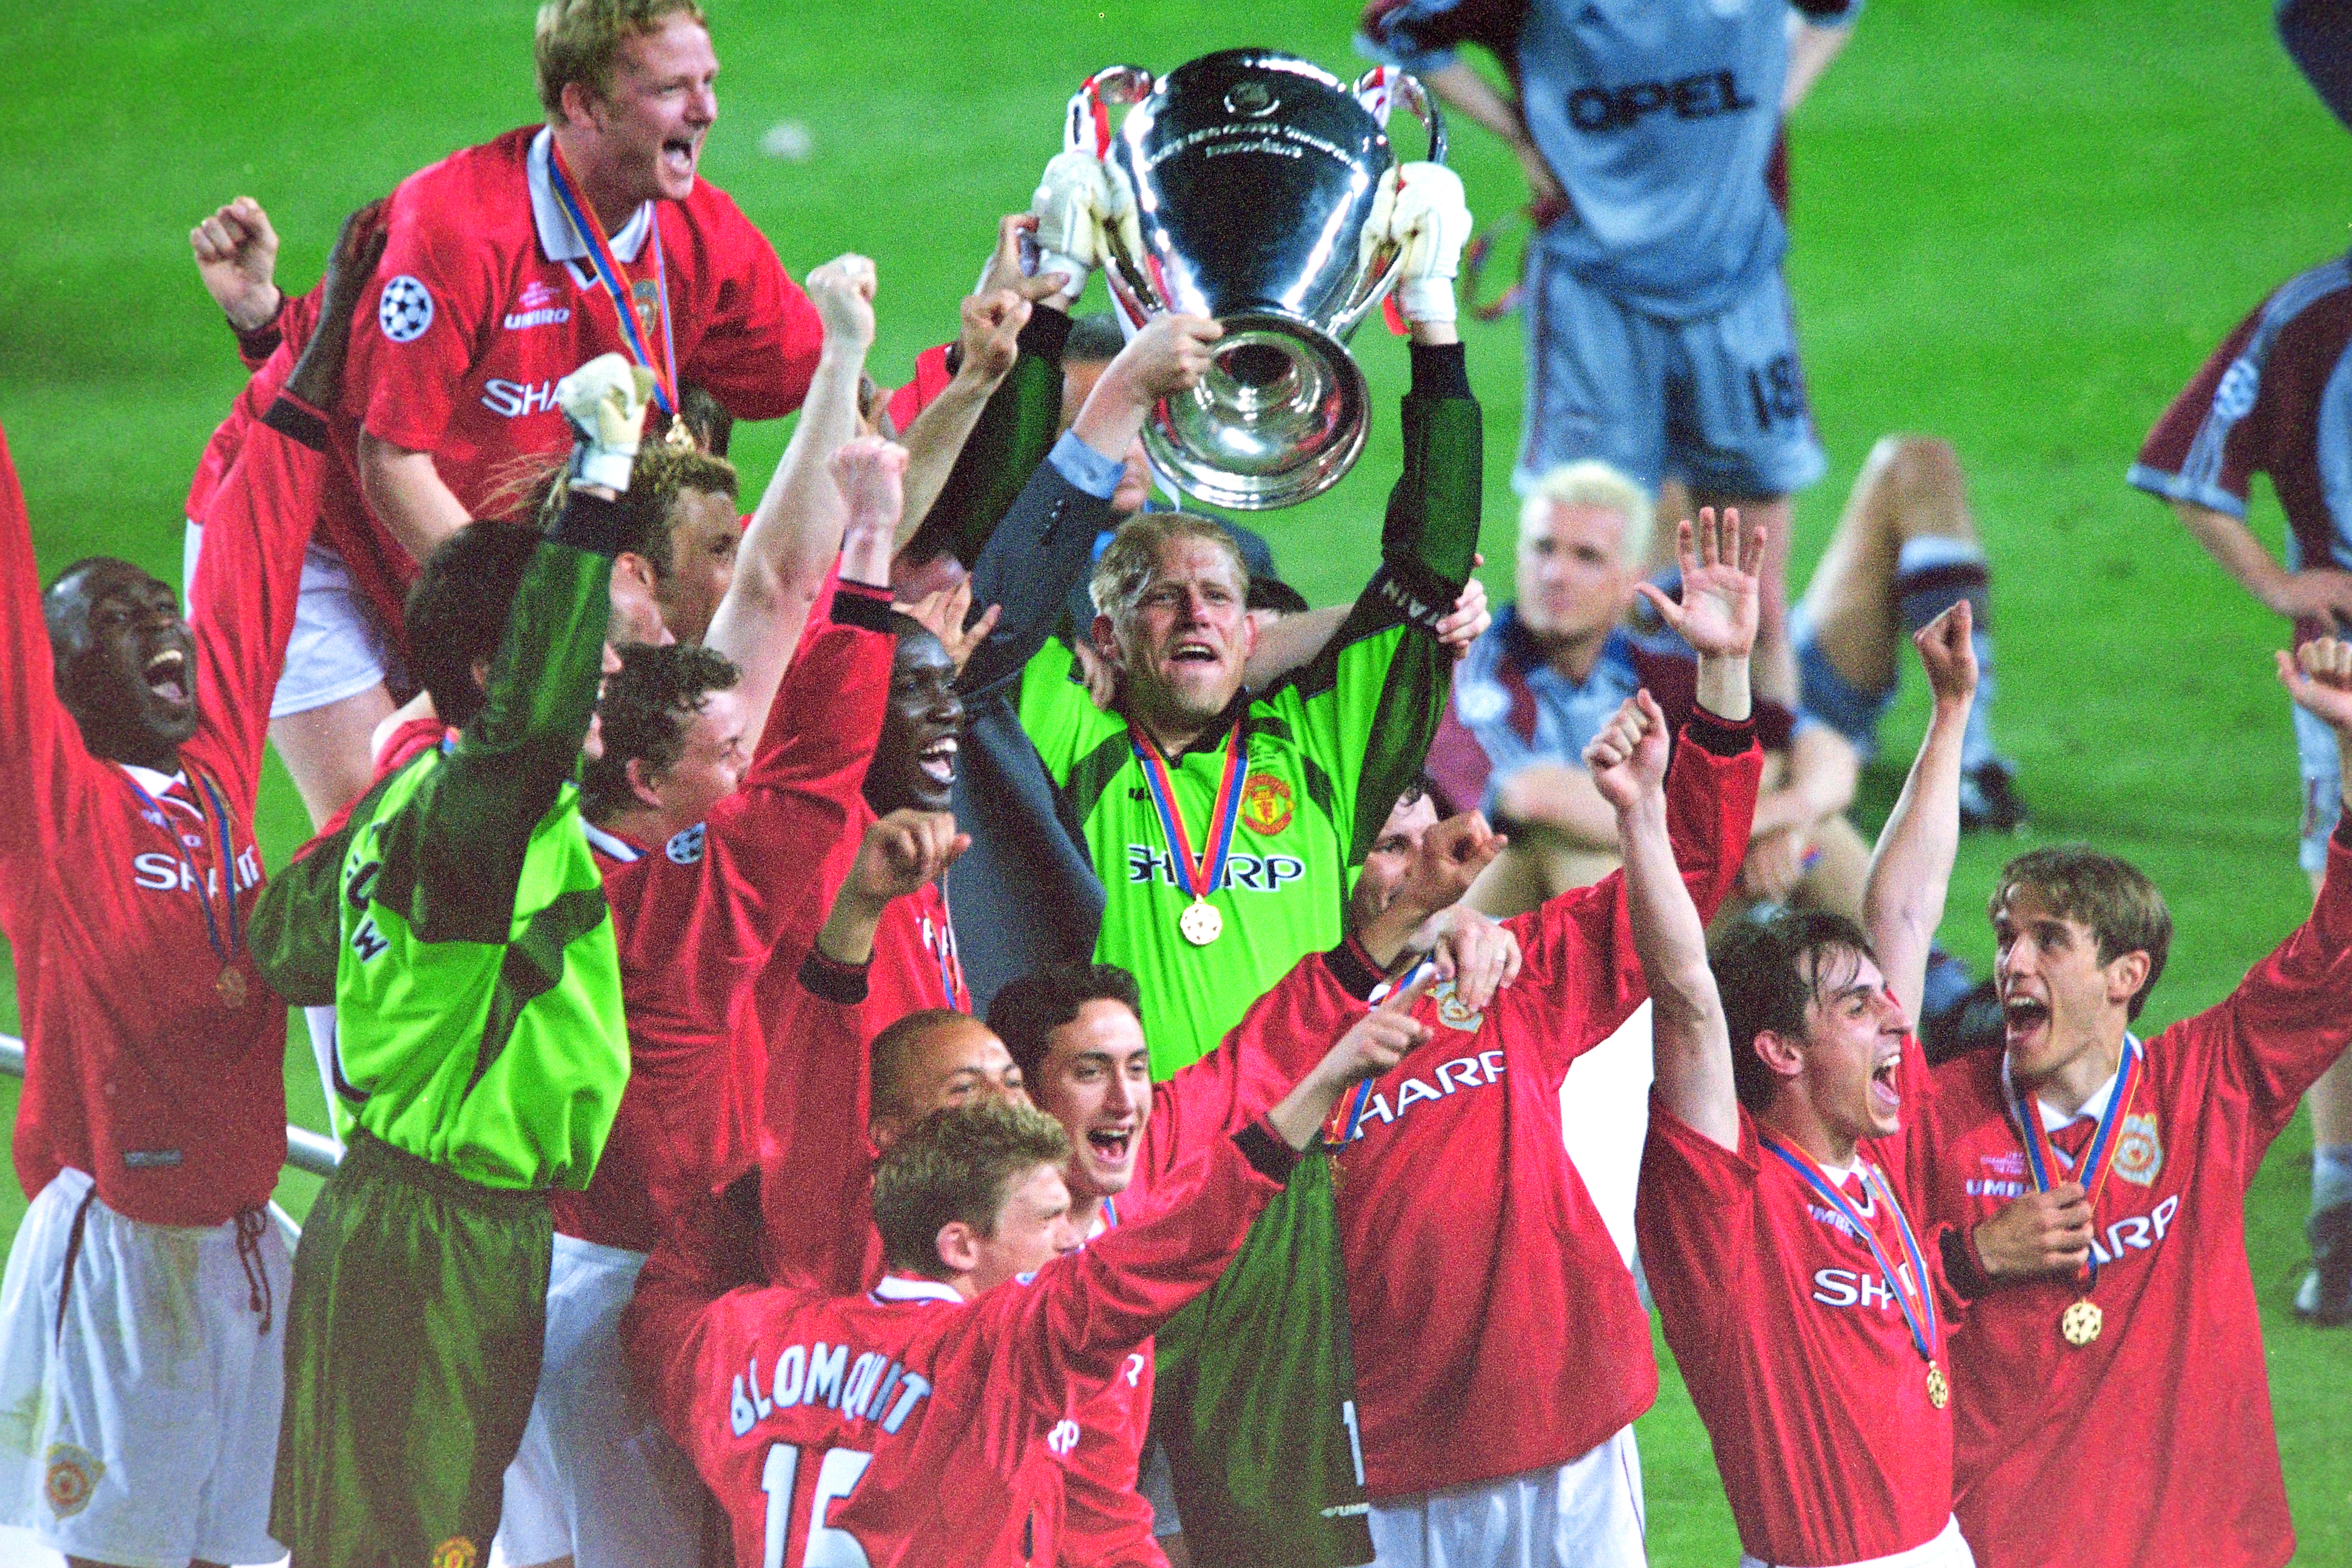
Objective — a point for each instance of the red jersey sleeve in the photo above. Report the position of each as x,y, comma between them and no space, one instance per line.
816,1168
419,330
1285,1032
1066,1328
248,575
2287,1023
2214,436
1696,1216
760,344
1579,947
38,739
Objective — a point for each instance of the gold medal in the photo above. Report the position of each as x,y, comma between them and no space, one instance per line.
230,989
2080,1323
1201,923
1940,1393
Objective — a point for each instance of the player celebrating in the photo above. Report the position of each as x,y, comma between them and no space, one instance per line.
2258,406
142,1315
1654,280
1804,1305
2121,1265
478,1029
511,262
914,1423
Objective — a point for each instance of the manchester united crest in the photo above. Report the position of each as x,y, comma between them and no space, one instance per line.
645,297
458,1551
1266,804
1454,1012
71,1477
2140,1152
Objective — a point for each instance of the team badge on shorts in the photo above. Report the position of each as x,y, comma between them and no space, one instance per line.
458,1551
405,311
2140,1152
1265,804
71,1477
1454,1012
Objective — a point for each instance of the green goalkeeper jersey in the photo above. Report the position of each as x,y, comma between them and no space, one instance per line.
458,921
1329,748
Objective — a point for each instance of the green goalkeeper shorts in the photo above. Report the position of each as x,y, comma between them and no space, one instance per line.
413,1341
1254,1397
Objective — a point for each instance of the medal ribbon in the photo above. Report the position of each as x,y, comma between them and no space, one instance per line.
1921,1319
1206,874
590,233
1346,1122
2042,1159
224,844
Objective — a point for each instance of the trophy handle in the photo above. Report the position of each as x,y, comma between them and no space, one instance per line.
1086,124
1379,89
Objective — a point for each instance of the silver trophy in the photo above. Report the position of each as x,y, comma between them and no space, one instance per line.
1253,174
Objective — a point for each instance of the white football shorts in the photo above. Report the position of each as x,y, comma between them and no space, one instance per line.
141,1377
596,1479
338,649
1586,1513
1945,1551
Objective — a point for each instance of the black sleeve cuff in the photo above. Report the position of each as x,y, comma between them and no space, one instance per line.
297,421
2343,834
1719,736
1960,1269
1267,1153
858,604
830,980
1046,334
1351,965
258,344
1439,369
589,522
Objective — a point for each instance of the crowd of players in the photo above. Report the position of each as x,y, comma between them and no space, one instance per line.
954,1019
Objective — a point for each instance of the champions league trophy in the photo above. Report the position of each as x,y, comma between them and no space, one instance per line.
1253,174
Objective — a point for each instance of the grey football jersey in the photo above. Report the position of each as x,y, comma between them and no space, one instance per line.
1658,117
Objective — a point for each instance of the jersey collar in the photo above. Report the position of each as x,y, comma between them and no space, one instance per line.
556,240
611,844
900,1288
154,784
2053,1119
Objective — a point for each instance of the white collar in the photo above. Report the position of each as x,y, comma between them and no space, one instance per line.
2096,1107
611,844
154,784
556,240
900,1287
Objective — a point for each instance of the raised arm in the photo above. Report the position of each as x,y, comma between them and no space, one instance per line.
795,530
1911,869
1692,1050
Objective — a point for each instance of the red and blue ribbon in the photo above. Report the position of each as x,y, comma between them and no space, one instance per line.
2042,1157
615,278
1913,1294
224,846
1205,875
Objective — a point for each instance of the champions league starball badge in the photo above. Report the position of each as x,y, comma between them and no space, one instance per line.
2080,1323
1939,1391
1201,923
404,311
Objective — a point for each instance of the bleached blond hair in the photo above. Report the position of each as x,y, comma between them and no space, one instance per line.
1591,482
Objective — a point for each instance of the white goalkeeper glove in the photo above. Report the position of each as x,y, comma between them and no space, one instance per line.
605,401
1421,210
1080,200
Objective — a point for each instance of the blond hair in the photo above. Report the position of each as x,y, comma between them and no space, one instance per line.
960,1164
1591,482
575,40
1129,564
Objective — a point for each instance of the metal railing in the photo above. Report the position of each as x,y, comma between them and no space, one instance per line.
305,1150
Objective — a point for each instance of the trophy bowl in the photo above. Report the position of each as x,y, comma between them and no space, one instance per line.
1254,173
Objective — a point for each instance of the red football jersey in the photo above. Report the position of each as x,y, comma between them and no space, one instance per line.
1495,1329
484,301
295,321
2258,406
907,1425
120,899
2154,1443
697,918
1795,1347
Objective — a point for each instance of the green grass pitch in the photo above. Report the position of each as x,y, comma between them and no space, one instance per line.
2019,225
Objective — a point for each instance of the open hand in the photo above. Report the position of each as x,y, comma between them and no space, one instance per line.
236,257
1476,951
942,611
1721,565
1627,760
